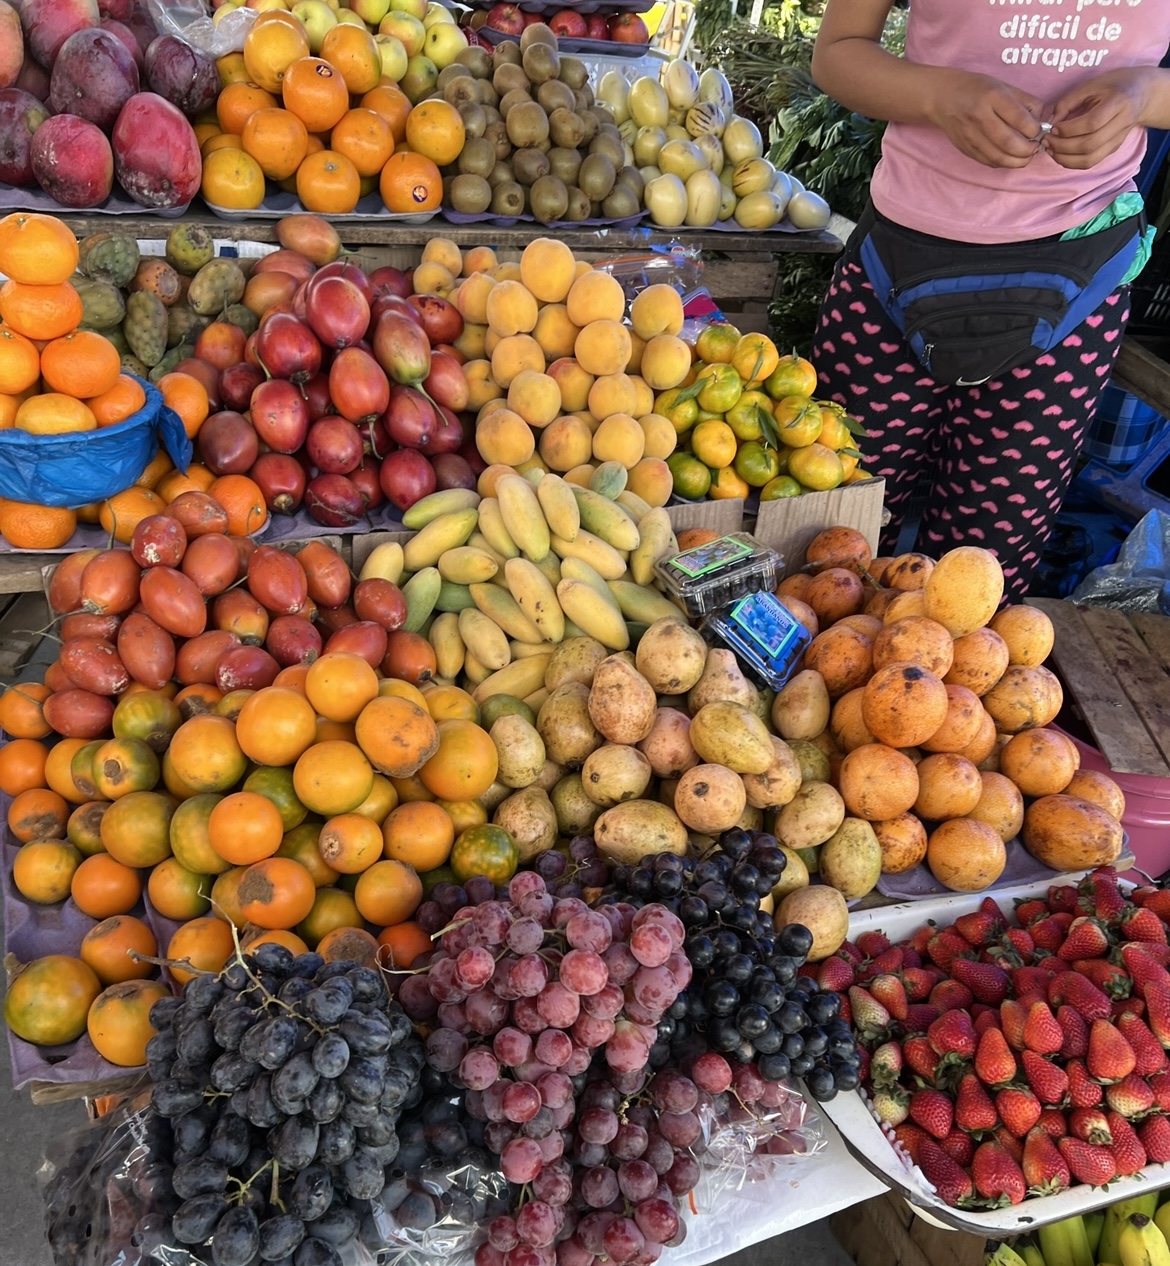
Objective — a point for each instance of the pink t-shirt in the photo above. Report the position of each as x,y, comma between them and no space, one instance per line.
1044,47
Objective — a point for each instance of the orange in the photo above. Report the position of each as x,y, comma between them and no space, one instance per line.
189,838
449,703
237,102
119,1021
349,945
225,898
333,777
158,466
292,678
222,140
410,182
277,140
123,512
40,312
300,844
435,130
52,413
136,829
315,92
270,48
465,764
392,104
20,362
232,179
420,834
58,770
197,479
388,893
37,249
82,364
485,850
410,790
106,948
48,1001
350,49
332,909
404,943
22,763
339,685
178,893
38,813
329,183
349,843
381,800
398,736
364,137
27,526
9,406
335,731
277,936
43,870
464,813
203,944
792,376
244,502
22,715
277,893
275,783
188,397
103,887
205,754
245,827
275,726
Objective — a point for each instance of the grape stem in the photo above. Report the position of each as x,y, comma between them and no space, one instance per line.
245,1184
257,984
185,963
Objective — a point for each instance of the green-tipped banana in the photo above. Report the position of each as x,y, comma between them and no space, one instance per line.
1141,1243
1078,1239
1094,1224
1031,1254
1004,1255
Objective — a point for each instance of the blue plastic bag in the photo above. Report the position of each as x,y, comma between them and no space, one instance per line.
79,468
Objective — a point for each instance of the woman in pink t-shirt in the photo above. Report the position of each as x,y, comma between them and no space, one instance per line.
976,313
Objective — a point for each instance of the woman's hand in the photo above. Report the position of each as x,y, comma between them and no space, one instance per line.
1094,119
990,121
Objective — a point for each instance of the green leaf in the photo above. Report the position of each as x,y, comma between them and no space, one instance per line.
768,426
852,425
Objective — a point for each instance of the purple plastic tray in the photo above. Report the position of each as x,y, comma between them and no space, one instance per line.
585,6
302,526
567,44
277,204
13,198
507,221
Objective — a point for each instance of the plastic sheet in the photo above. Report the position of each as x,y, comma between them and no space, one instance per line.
1140,578
191,22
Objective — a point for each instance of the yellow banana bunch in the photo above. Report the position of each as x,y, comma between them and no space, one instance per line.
1004,1255
1108,1248
1065,1243
1141,1243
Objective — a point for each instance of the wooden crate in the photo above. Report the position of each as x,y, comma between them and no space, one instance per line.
885,1231
1116,668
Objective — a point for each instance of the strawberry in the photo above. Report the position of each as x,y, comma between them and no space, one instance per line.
871,944
1062,897
1086,1163
1083,1091
994,1062
1100,895
1090,1124
891,993
1073,989
1148,1052
885,964
953,1184
1063,919
1110,1056
944,947
1131,1006
1086,939
1049,1081
922,937
1052,1121
974,1110
920,1016
920,1058
1157,998
1154,1133
886,1065
811,970
870,1018
1076,1033
863,1063
1131,1097
1159,1084
1030,979
988,1019
1018,1109
932,1110
1140,896
1042,1033
1021,942
912,1137
891,1105
852,955
953,1034
1153,949
1028,912
980,927
1112,980
1158,900
918,983
1045,1170
1142,925
1047,934
951,995
1142,968
987,982
835,974
1013,1017
1010,1144
998,1178
910,957
1127,1147
959,1146
844,1010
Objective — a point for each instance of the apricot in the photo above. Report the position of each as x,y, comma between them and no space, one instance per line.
657,310
980,660
904,605
472,343
548,269
666,361
877,782
1040,762
612,393
948,787
843,657
651,480
797,585
471,297
535,397
574,382
1000,805
659,435
596,296
914,640
637,347
582,477
566,443
511,309
983,744
908,571
603,347
903,843
479,260
904,705
965,855
964,589
619,439
961,725
441,250
433,279
847,723
555,333
1024,699
509,270
1099,789
1028,633
645,401
504,438
481,386
514,354
834,594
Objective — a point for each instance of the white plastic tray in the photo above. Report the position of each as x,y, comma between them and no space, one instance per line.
871,1146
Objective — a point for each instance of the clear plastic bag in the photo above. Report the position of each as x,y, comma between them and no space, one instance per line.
190,21
677,265
1140,578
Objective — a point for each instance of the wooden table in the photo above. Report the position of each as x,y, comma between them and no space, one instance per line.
1145,374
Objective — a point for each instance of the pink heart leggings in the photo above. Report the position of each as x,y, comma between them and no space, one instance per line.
995,460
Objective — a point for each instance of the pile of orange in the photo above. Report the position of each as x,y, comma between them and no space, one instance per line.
290,118
316,812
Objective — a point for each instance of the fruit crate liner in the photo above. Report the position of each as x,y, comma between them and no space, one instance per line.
567,44
278,204
14,198
871,1144
730,226
32,931
302,526
586,7
1021,868
507,221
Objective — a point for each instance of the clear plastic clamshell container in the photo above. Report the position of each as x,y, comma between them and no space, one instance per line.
708,577
768,640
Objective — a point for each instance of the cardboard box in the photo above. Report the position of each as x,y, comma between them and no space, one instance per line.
721,517
788,525
885,1232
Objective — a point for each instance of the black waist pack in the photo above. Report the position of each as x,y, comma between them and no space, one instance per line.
973,312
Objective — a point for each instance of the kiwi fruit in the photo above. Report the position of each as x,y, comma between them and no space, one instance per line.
474,118
538,33
527,124
529,165
508,199
448,73
549,199
541,62
631,177
544,146
566,129
514,98
477,158
564,164
578,208
497,133
574,72
596,176
589,119
461,91
505,51
509,77
488,96
621,202
477,60
584,97
470,194
491,115
612,147
554,95
501,173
